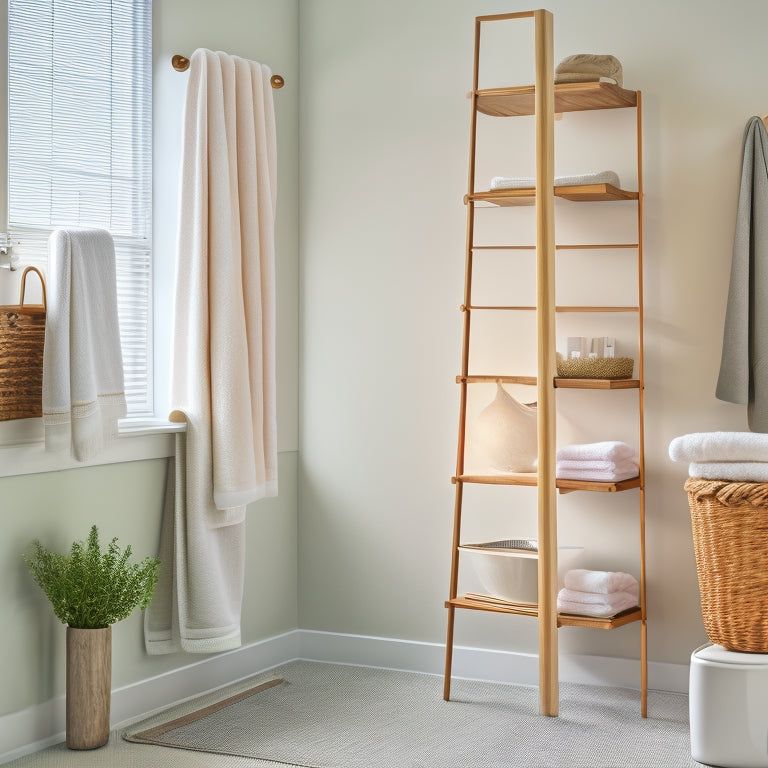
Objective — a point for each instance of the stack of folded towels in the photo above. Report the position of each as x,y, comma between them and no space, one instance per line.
597,593
740,456
608,462
529,182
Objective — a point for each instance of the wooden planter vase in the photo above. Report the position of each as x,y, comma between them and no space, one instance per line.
89,687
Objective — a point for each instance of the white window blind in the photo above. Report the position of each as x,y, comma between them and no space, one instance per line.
80,144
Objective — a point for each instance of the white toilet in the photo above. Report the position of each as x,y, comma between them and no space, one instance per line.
728,704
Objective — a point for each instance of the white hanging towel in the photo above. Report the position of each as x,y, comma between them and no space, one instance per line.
83,390
223,359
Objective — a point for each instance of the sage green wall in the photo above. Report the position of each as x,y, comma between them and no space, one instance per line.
125,499
384,152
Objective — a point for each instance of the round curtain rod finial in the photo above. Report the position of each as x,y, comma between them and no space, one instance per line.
179,62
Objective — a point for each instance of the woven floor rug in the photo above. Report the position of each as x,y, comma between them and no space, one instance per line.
338,716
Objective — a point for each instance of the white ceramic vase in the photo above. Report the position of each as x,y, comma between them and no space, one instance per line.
505,434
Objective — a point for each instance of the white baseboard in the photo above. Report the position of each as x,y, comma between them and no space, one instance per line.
32,729
484,664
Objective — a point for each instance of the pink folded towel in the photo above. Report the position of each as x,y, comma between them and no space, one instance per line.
600,582
601,606
608,450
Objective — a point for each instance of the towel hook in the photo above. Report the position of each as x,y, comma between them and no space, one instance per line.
181,63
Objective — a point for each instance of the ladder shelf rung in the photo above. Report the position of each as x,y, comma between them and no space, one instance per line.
579,247
559,308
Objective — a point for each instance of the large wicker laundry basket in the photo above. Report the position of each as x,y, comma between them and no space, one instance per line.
730,538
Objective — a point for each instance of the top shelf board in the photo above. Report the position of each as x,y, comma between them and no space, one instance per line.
569,97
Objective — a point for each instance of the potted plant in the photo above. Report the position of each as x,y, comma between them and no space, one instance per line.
89,591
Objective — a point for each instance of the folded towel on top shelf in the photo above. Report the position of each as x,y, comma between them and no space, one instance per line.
598,605
609,450
720,446
743,471
528,182
589,67
600,582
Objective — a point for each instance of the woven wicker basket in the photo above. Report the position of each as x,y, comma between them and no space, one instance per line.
22,337
596,368
730,538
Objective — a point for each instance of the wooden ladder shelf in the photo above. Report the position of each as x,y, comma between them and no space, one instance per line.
543,100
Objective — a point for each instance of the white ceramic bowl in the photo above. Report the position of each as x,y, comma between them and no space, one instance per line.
508,569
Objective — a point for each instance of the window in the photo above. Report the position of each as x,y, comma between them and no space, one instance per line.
79,147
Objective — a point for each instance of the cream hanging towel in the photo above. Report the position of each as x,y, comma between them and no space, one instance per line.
223,359
744,365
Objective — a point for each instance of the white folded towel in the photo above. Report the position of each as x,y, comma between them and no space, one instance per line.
599,466
83,390
600,582
720,446
744,471
608,450
610,476
529,182
600,606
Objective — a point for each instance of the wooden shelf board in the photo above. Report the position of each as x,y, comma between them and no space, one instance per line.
530,380
559,382
582,193
569,97
565,486
569,383
564,247
563,619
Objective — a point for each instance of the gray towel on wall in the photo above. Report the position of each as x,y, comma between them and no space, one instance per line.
744,364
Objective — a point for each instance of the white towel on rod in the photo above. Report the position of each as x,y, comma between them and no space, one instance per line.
83,389
223,360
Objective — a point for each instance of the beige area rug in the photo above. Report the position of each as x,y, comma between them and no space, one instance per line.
338,716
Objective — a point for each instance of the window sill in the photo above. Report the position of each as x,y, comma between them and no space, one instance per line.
22,451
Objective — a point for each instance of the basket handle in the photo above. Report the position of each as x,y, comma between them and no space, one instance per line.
24,283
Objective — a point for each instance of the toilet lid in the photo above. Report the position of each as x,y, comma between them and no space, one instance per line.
719,655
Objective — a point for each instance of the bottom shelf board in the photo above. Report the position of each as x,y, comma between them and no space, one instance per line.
478,602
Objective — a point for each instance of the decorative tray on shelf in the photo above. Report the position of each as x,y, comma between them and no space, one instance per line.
596,368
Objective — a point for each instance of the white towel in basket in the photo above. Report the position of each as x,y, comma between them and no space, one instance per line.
720,446
743,471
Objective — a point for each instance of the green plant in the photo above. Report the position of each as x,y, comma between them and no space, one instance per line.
89,589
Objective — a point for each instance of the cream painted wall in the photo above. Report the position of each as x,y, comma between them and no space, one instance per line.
384,148
125,500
